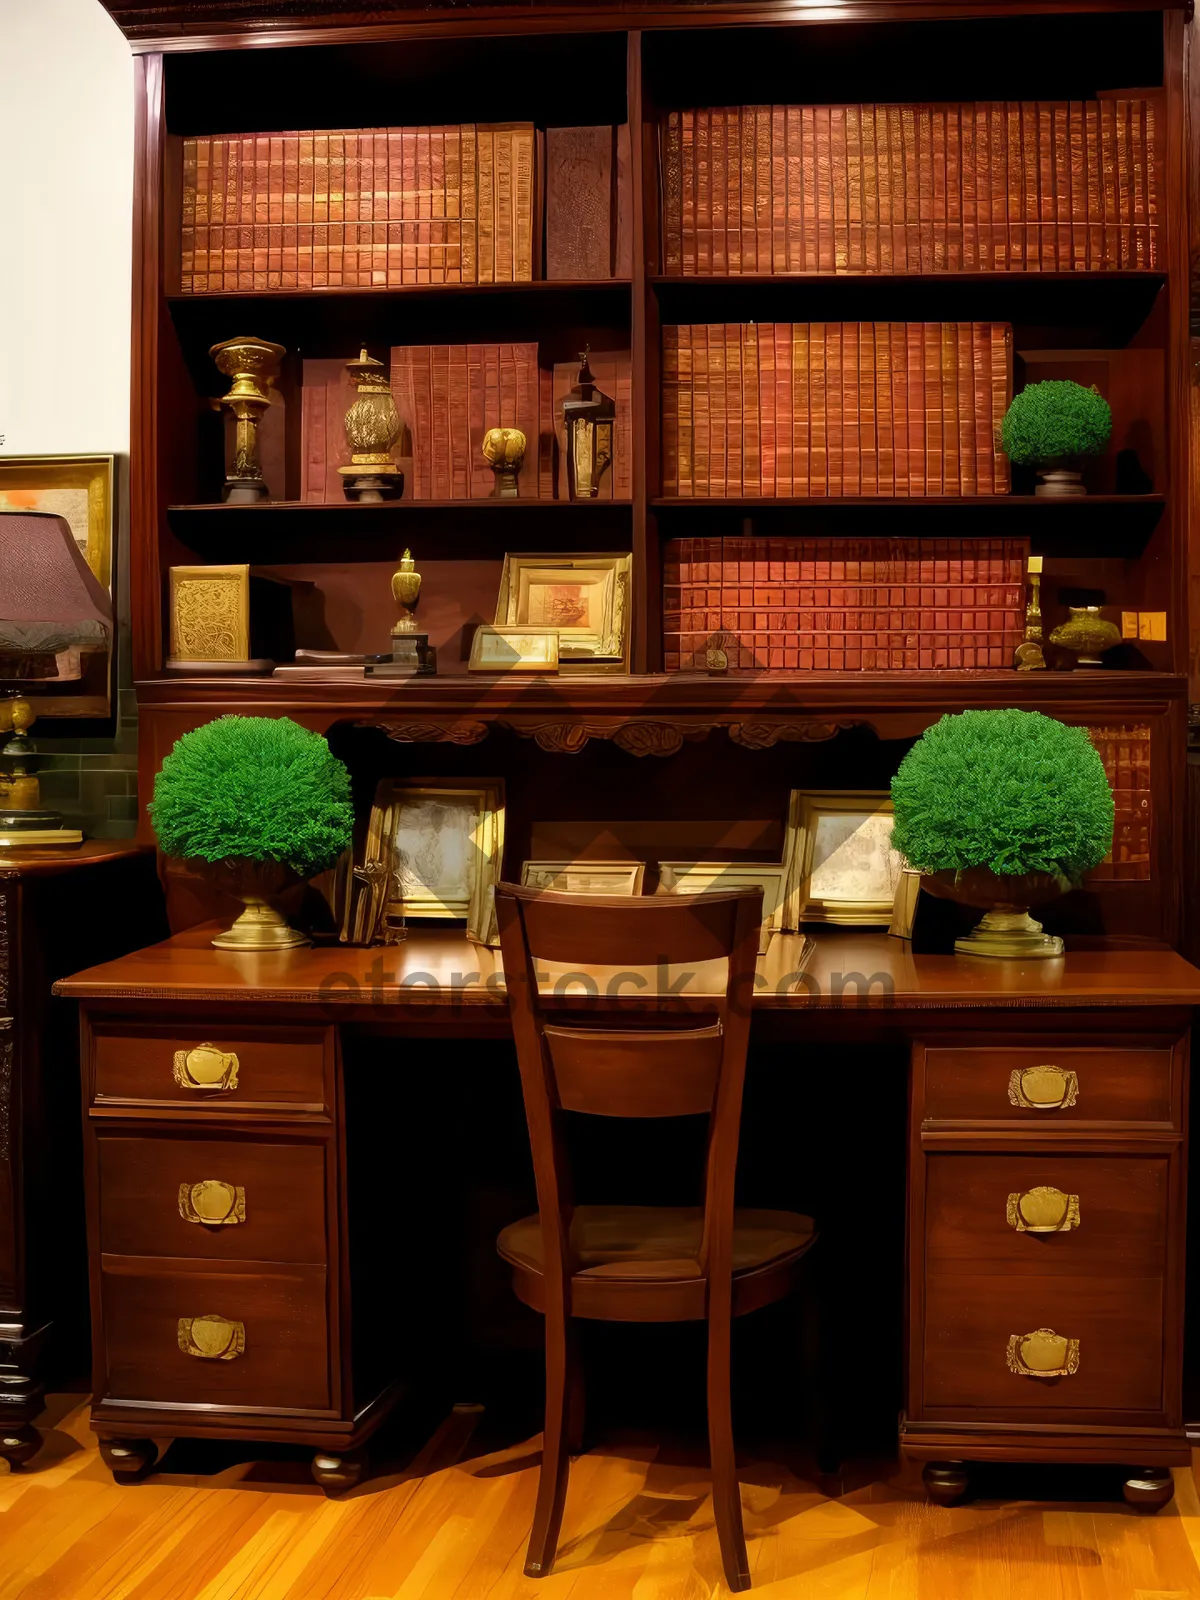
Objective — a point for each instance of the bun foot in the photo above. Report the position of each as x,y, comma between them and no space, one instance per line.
129,1460
335,1473
945,1482
1149,1488
19,1445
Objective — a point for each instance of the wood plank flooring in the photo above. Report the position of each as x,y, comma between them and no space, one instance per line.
638,1526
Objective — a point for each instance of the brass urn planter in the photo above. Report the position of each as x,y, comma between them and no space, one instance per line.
1006,929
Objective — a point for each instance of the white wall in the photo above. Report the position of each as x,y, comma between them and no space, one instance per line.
66,186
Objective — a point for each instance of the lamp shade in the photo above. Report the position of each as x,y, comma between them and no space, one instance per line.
50,600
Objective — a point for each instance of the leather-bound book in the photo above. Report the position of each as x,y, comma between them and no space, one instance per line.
1043,141
670,162
747,137
931,333
719,191
914,356
731,338
779,196
222,261
288,226
701,424
393,216
998,143
505,212
920,144
1014,184
763,335
981,407
670,409
424,211
688,191
306,145
326,394
187,231
342,259
839,186
793,159
1079,217
218,188
1028,120
439,421
762,188
968,471
523,202
855,241
453,155
469,203
703,183
686,484
1154,176
841,381
751,418
1002,384
479,476
312,443
373,234
781,336
937,132
873,207
951,476
320,266
718,436
868,424
409,205
818,431
1141,241
580,174
245,212
438,238
897,360
485,147
351,275
810,229
458,425
733,190
262,213
954,194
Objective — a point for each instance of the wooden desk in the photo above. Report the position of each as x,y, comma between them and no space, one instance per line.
1070,1074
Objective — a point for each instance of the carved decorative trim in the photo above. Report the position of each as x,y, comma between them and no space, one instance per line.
465,732
763,735
635,737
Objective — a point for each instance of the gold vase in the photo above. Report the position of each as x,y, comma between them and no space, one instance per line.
253,365
1087,634
504,451
372,427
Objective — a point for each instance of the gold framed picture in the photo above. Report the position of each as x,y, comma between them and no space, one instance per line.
210,613
513,649
81,489
704,877
583,598
585,877
434,848
841,867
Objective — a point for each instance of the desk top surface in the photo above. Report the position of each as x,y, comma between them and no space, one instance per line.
838,969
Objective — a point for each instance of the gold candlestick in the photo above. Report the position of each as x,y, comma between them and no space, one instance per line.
1029,654
372,427
253,364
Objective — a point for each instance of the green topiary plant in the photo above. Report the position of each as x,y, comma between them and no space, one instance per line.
257,789
1011,791
1053,419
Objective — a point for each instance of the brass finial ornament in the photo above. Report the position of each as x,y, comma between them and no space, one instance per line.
411,654
372,427
1029,654
504,451
588,418
253,365
406,591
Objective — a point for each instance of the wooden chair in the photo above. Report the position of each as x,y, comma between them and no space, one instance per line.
629,1263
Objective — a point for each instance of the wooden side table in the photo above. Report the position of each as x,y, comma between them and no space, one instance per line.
57,909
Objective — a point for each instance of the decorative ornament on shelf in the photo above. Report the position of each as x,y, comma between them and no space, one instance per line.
1029,654
504,451
588,421
1003,810
411,654
1056,421
1087,633
372,427
253,365
256,805
22,820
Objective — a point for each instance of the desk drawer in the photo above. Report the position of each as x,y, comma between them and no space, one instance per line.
987,1213
1050,1085
975,1325
212,1199
214,1069
262,1337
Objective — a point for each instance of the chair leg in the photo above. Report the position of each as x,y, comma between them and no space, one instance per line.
576,1392
727,1503
562,1361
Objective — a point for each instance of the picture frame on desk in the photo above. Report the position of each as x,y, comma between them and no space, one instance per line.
707,877
585,877
584,598
513,649
841,867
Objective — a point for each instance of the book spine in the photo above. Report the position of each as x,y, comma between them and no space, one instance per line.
794,161
732,340
337,209
261,224
394,249
747,137
454,182
486,148
968,472
818,468
460,424
981,407
480,481
1094,254
1079,217
1014,185
670,410
955,246
923,133
778,172
897,343
762,187
439,421
1141,252
839,187
505,193
218,190
998,137
801,430
719,187
855,242
885,441
751,419
687,121
937,122
951,474
687,481
763,334
1047,245
784,423
1027,113
1002,378
915,367
826,248
868,433
523,191
671,166
245,247
188,208
809,182
320,212
733,191
312,435
900,188
703,197
718,435
834,401
1154,178
878,157
469,203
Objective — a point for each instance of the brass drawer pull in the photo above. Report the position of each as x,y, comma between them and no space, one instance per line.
212,1202
1043,1354
1043,1088
211,1337
206,1067
1044,1209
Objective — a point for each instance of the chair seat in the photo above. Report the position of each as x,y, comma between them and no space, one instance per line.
642,1262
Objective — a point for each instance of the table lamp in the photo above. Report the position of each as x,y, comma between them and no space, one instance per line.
52,610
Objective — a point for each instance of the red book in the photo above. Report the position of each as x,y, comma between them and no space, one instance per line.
852,132
291,181
968,472
777,154
379,207
954,194
1047,240
898,343
839,187
998,153
1014,185
784,418
884,217
794,159
394,250
1002,379
868,442
762,187
751,424
981,410
818,458
983,186
915,364
480,480
670,410
337,209
718,433
424,215
1141,241
811,186
439,422
1028,118
187,240
460,425
731,338
719,186
940,213
246,187
320,213
261,212
885,446
951,477
923,132
768,438
686,485
734,253
1079,217
968,184
701,426
834,404
871,187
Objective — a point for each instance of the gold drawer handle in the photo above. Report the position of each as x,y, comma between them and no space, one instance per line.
212,1202
212,1338
206,1067
1043,1210
1043,1354
1043,1088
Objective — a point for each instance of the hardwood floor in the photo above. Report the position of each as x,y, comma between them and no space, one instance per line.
453,1526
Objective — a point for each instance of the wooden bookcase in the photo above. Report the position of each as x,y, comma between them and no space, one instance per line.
203,68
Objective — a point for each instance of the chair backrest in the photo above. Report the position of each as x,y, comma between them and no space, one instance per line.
630,1055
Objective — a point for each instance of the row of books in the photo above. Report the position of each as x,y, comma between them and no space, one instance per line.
448,396
1125,752
843,605
358,208
1032,186
776,410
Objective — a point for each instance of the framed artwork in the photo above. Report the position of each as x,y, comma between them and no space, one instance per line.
904,909
703,877
210,613
434,848
585,877
841,867
583,598
515,649
83,490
